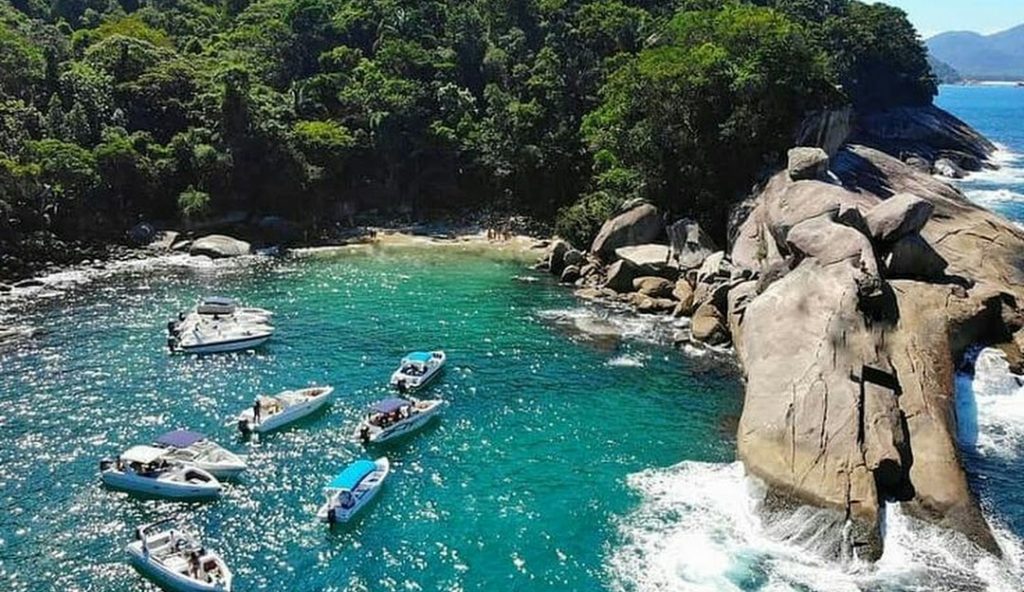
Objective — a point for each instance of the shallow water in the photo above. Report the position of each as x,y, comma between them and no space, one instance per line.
520,486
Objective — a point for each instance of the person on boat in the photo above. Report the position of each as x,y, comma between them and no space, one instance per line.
256,410
193,565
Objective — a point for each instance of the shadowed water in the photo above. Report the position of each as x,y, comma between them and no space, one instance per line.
519,486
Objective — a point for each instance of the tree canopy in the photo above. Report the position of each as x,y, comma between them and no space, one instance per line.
114,112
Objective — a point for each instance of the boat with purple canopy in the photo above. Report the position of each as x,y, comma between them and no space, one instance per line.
188,448
394,417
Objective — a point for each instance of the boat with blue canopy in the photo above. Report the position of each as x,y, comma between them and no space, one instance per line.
188,448
394,417
352,489
417,369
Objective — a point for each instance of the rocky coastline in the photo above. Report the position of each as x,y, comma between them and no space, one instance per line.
852,285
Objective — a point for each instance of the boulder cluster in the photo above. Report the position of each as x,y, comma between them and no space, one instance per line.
853,286
638,260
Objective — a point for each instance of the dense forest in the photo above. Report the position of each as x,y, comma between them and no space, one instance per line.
116,111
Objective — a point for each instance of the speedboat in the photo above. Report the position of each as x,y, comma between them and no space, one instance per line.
395,417
177,561
189,448
200,338
283,408
218,324
417,369
352,489
147,470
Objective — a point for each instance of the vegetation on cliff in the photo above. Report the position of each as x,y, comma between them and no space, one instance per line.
114,111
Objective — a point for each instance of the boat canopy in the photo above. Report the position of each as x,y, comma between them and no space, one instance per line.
353,474
216,305
421,357
389,405
219,300
180,438
143,454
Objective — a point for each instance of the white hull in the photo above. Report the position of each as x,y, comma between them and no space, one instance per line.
269,423
171,571
225,346
402,428
363,498
417,381
165,488
221,471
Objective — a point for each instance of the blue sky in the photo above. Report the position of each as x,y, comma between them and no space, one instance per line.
984,16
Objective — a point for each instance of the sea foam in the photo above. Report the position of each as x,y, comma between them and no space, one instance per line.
699,528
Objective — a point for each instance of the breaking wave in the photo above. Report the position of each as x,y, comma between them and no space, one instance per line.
990,406
699,528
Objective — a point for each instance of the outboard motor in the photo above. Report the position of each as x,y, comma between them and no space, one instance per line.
243,426
331,516
171,343
172,327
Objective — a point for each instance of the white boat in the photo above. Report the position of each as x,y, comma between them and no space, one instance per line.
177,561
283,408
352,489
218,324
190,448
417,369
219,338
147,470
395,417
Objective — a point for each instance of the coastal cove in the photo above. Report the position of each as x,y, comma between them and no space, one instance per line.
523,484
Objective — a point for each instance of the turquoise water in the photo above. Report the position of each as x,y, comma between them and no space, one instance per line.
522,485
997,112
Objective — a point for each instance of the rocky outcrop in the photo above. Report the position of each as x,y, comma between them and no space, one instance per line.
807,163
690,245
857,407
649,259
927,132
637,226
218,246
898,216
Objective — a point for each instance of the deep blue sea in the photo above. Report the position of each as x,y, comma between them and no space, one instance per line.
997,112
578,452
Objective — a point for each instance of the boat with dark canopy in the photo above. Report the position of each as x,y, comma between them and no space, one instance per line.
394,417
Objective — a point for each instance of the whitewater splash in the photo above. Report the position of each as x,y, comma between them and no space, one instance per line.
699,528
990,406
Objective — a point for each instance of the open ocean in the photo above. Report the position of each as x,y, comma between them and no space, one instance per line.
565,461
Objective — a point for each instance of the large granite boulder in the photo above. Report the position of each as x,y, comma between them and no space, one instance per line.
683,293
650,259
898,216
570,274
653,286
620,275
690,244
807,163
829,243
708,325
218,246
640,225
556,256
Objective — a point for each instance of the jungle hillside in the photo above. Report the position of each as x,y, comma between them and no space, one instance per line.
114,112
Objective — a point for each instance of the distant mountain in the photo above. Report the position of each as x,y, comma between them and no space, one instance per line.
944,72
999,56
